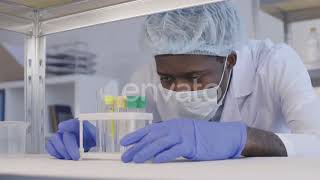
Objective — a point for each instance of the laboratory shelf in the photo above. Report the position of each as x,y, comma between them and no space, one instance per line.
292,10
62,15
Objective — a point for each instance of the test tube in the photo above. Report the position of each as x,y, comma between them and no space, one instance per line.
141,105
109,126
132,104
99,124
105,105
121,126
130,125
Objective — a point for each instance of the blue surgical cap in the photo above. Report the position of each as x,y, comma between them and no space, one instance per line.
212,29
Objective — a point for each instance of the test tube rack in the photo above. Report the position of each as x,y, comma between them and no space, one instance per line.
118,116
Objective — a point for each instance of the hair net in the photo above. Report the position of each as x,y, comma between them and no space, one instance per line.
212,29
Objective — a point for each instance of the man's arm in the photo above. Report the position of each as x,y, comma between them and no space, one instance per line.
262,143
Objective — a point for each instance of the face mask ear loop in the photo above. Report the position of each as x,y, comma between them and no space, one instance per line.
229,77
224,70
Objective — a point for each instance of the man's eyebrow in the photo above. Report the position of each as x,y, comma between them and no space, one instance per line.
184,73
196,72
164,74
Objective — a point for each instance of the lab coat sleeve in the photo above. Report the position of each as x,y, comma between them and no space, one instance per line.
291,86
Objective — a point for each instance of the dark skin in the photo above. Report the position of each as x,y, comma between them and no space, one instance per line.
197,72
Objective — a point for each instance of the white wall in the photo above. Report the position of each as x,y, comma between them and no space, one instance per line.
244,8
11,38
269,28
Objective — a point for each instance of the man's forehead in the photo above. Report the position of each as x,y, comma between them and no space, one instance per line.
186,56
184,64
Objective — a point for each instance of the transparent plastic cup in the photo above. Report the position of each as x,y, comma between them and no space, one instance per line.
13,137
128,123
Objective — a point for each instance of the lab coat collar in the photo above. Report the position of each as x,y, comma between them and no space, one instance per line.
243,74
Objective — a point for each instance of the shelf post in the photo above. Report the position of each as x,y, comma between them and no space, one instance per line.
287,29
35,63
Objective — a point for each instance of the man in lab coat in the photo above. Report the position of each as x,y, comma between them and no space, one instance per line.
218,96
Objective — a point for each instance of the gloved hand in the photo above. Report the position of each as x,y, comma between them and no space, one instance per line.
192,139
65,143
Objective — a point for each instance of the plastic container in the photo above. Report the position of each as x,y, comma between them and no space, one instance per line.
128,118
313,47
13,137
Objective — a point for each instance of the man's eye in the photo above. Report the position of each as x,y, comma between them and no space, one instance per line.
166,78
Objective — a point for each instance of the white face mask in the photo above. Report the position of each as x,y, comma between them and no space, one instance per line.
200,105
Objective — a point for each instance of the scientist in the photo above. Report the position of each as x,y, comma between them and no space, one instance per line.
222,97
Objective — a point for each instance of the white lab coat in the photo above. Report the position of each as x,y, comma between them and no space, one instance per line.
270,90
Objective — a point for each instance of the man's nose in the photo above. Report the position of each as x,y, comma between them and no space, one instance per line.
182,85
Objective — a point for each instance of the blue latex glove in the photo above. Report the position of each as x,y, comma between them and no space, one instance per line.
192,139
65,143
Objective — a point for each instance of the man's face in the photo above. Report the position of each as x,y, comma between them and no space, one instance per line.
190,72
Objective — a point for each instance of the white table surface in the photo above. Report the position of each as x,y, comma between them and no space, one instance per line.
44,167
